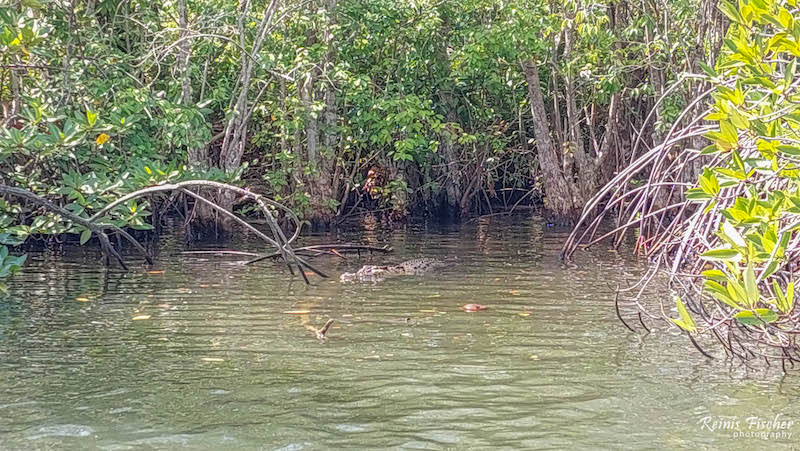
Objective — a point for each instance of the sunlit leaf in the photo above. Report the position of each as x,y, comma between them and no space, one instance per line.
686,322
730,255
750,286
757,317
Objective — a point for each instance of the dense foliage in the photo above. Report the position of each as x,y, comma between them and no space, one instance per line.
730,240
750,192
335,106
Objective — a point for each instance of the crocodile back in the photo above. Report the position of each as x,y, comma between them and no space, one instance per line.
419,265
372,273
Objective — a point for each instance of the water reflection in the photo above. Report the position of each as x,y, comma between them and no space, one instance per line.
218,361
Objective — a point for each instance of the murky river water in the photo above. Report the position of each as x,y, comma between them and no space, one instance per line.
205,356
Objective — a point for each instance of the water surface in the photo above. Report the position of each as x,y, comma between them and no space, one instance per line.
202,354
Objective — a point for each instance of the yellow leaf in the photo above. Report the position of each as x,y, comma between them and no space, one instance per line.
82,299
102,139
686,322
141,317
213,359
147,170
524,314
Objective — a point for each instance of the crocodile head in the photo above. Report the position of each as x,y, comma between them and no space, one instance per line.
366,273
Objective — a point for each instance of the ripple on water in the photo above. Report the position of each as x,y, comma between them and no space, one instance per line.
60,430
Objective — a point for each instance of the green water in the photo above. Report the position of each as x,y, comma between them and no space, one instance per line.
220,365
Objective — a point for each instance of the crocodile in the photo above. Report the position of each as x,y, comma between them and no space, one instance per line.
373,273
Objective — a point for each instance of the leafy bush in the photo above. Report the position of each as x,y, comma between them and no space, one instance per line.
9,264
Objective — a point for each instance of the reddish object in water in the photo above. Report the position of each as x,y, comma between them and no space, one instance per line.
473,307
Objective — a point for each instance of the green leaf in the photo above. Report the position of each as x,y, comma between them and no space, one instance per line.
686,322
11,240
739,175
785,302
17,261
730,11
85,235
715,274
721,293
697,194
708,69
736,291
750,285
709,183
790,68
728,132
737,159
756,317
727,255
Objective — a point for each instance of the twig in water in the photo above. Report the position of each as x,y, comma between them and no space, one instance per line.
322,331
616,307
698,346
641,321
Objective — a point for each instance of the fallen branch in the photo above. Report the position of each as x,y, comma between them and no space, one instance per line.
278,240
223,252
340,248
95,224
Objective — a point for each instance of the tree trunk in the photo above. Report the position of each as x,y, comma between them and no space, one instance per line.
609,150
584,161
197,156
284,117
451,196
558,195
318,84
312,122
66,85
452,170
203,224
236,131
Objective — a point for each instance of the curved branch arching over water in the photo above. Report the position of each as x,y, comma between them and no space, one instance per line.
278,240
